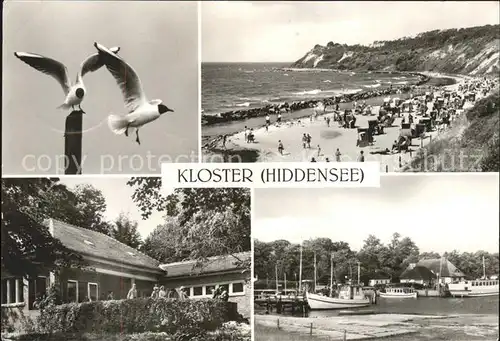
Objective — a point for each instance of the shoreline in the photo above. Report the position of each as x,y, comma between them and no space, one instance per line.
384,326
347,97
236,151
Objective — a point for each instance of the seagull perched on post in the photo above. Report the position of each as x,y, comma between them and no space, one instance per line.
141,111
74,93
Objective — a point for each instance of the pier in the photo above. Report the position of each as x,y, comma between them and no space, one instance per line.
282,303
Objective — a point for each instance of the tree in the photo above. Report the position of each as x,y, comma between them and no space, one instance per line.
27,246
202,222
429,255
125,231
91,205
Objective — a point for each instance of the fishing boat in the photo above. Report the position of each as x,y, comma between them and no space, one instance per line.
350,296
475,288
399,293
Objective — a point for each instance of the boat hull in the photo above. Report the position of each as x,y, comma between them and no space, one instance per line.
476,288
468,293
391,295
319,302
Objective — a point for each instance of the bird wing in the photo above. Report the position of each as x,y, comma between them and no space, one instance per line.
92,63
125,76
48,66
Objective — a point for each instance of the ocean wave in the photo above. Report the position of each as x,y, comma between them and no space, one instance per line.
246,104
327,81
401,83
309,92
285,74
372,86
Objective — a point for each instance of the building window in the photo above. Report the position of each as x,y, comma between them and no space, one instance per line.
197,291
209,290
238,288
224,287
72,291
93,291
12,290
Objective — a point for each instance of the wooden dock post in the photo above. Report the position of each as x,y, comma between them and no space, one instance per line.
73,143
311,330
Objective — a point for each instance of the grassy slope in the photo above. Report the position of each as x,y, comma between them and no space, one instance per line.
471,145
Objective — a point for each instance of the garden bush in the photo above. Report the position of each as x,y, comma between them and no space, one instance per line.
183,319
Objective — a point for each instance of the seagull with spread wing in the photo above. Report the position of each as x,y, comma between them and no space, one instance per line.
74,93
140,110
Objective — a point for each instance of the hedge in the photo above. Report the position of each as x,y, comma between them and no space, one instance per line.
176,317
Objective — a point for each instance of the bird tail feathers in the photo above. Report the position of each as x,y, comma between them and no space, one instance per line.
118,124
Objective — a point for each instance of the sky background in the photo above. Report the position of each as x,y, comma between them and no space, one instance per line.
158,39
118,197
439,212
284,32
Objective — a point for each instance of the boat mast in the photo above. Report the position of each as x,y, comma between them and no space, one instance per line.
484,269
314,271
359,270
276,271
331,274
284,275
300,269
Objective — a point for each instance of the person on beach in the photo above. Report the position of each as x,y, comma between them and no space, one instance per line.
246,134
361,157
280,147
224,140
313,160
309,141
327,160
250,136
319,150
304,141
328,121
268,120
267,127
337,155
278,120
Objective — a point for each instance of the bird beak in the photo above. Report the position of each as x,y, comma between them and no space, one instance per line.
170,110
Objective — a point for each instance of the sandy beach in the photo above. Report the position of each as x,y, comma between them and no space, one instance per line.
329,138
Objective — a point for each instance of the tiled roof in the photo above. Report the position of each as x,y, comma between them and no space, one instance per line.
418,273
213,265
445,267
99,245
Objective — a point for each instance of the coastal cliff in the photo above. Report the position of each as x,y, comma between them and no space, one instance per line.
473,51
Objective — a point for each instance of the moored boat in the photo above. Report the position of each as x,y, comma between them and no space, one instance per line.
474,288
349,297
399,293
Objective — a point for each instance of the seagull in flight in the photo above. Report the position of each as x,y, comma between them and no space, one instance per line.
140,110
74,93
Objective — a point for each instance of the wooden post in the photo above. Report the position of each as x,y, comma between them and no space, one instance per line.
345,335
311,332
73,143
278,323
